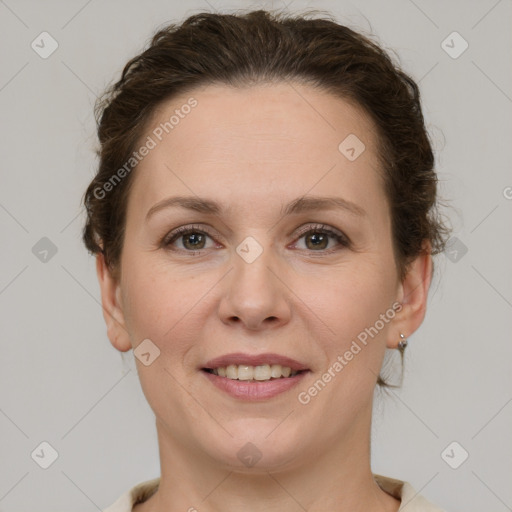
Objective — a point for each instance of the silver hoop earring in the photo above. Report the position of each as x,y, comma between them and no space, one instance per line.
402,343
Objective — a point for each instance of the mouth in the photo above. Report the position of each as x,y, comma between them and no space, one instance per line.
254,377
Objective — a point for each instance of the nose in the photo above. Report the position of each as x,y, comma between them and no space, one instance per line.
255,294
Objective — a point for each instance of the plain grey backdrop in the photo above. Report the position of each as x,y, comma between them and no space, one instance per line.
447,431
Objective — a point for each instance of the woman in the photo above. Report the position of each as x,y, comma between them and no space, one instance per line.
264,220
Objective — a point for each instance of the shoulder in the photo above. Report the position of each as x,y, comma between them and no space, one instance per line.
411,500
141,492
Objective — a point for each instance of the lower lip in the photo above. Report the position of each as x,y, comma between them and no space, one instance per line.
254,390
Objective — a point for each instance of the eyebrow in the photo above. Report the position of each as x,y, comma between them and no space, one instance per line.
299,205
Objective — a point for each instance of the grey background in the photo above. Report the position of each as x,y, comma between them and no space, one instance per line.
60,379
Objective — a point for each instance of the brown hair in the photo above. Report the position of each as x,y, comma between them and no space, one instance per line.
259,47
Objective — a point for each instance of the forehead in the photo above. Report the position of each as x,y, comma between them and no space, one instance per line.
284,137
264,113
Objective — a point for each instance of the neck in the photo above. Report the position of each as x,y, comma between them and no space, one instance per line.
340,479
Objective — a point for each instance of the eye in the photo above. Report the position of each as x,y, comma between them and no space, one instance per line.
191,239
317,238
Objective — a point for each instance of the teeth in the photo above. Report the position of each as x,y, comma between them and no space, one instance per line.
232,372
275,371
245,372
260,373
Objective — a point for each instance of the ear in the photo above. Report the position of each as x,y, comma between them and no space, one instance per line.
112,306
413,295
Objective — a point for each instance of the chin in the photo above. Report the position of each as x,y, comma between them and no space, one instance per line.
256,445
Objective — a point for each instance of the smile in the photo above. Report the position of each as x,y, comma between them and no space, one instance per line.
254,377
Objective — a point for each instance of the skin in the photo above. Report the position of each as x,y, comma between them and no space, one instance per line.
253,150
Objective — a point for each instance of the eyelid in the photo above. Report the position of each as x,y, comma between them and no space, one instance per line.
322,227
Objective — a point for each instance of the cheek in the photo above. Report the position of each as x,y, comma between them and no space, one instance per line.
160,308
170,306
348,298
156,300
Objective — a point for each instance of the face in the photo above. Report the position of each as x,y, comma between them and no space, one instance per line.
279,252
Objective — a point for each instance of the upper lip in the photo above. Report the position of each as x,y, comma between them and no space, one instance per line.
239,358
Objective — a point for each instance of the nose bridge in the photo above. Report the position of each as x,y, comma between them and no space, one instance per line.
254,293
252,278
252,263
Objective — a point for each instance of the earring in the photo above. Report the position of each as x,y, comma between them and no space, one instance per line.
402,343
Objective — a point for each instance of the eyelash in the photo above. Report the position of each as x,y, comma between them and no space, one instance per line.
311,229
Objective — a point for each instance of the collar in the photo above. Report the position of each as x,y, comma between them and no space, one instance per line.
397,488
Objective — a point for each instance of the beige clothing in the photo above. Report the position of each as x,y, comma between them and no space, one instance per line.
411,502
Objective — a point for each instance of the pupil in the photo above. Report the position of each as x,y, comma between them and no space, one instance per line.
192,237
317,239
